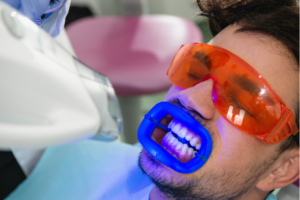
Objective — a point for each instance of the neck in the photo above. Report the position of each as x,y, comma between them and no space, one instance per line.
156,194
255,193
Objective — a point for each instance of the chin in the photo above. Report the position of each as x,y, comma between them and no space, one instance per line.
156,170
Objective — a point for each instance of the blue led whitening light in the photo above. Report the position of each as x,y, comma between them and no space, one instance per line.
152,120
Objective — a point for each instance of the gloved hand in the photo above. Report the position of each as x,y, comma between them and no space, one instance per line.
33,9
54,13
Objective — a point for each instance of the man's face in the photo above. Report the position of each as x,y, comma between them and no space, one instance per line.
238,160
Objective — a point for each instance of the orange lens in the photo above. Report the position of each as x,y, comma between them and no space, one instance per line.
240,93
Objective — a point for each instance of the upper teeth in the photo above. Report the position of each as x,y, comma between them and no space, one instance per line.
182,133
194,141
189,137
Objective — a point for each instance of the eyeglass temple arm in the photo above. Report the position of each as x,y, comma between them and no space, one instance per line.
285,127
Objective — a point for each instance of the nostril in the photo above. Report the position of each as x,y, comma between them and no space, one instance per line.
192,111
199,99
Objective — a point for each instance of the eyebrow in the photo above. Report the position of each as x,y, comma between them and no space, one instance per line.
246,83
202,58
249,86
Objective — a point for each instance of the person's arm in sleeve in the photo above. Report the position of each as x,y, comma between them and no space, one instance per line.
49,14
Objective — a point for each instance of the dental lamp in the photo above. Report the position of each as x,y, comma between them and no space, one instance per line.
48,97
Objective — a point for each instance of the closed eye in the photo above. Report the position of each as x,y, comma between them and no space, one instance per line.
239,106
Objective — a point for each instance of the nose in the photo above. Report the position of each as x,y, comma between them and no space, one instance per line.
199,98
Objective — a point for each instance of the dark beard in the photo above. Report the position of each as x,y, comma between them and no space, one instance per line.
186,191
197,189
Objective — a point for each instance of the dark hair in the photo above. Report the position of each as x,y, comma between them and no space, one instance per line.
276,18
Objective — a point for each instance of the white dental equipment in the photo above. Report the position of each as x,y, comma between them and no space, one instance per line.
48,97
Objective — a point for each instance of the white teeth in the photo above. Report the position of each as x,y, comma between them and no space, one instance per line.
190,151
178,146
194,141
171,124
175,142
171,143
176,128
184,149
172,140
182,133
169,135
188,137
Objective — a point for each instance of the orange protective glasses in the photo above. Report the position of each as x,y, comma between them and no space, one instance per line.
240,93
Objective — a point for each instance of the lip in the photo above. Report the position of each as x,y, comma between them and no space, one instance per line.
151,136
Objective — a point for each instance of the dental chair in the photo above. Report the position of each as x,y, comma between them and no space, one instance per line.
134,52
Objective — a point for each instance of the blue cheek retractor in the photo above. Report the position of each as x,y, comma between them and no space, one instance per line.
152,120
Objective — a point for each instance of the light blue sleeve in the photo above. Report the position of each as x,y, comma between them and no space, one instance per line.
87,169
33,9
272,197
55,17
49,14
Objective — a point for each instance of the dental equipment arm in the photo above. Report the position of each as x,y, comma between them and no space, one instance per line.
49,97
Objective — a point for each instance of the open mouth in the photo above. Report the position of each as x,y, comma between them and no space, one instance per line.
181,142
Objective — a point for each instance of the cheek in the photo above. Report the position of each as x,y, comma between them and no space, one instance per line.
233,146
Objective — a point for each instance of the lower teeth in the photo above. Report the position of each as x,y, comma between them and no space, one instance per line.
181,151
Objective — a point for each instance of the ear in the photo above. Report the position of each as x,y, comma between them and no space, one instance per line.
285,172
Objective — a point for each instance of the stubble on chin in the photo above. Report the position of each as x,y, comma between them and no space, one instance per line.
207,186
156,170
163,177
148,164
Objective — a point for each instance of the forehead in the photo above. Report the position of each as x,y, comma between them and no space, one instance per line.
267,56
